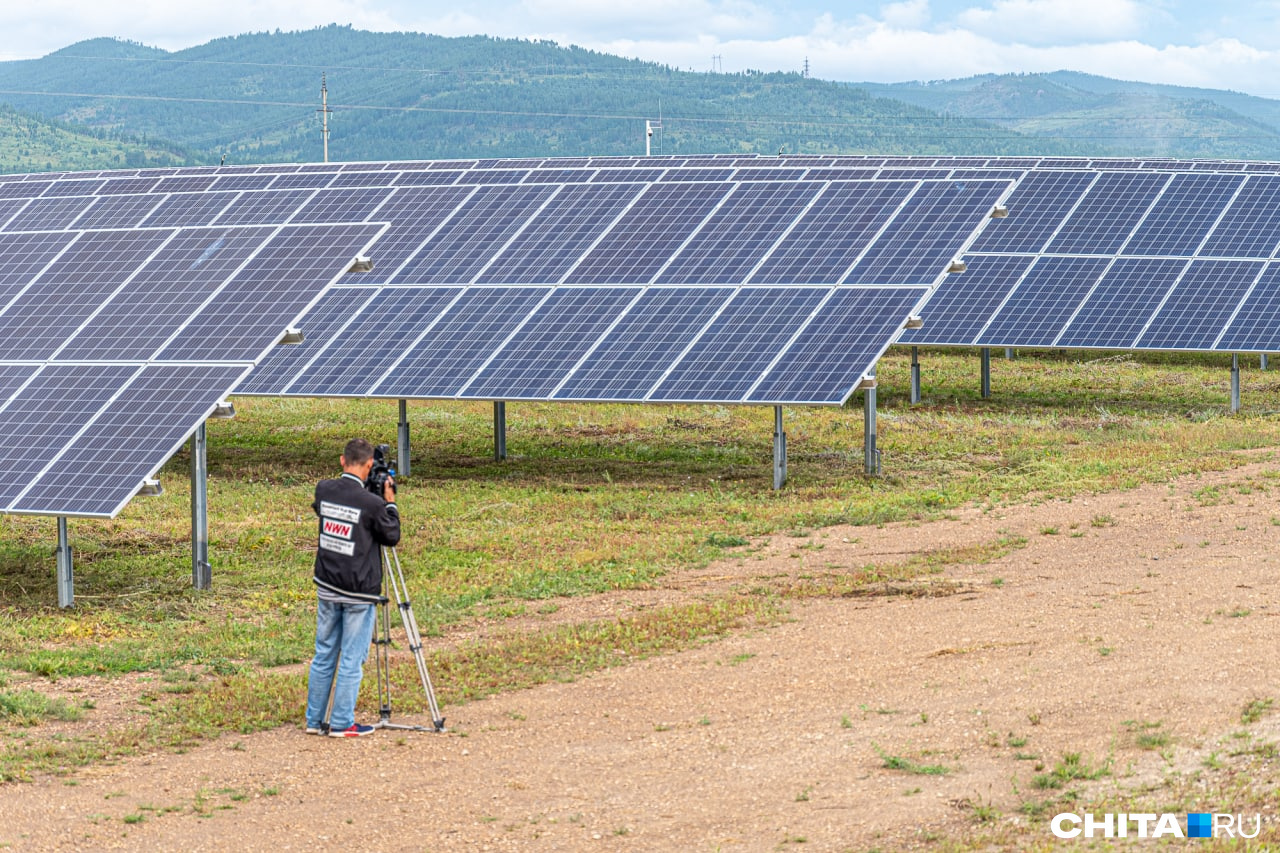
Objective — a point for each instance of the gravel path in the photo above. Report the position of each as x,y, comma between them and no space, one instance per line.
1149,611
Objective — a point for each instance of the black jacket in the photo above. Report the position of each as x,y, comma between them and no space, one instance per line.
353,523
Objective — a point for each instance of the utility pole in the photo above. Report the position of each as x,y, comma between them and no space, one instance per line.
649,128
806,68
324,114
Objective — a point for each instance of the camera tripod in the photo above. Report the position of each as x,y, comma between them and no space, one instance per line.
382,641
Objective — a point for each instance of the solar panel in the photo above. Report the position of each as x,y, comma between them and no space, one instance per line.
559,234
126,315
1046,297
460,342
1118,309
738,345
567,286
851,331
1127,254
638,350
555,336
152,414
964,304
365,350
1198,307
832,234
464,245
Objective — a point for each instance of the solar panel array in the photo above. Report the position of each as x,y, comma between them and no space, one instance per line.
130,305
131,301
628,279
1182,258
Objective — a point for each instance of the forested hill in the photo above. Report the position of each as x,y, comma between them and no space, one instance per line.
1137,119
255,98
29,143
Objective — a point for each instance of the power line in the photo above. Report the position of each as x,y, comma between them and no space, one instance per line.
772,119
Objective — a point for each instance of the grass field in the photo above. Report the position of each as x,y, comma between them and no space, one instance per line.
592,498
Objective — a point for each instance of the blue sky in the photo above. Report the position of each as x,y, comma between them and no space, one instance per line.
1216,45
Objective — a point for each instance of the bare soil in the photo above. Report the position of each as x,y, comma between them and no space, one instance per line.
1148,612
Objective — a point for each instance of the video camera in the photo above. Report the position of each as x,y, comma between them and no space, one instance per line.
377,482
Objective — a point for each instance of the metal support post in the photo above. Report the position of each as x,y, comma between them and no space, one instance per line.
1008,353
201,572
1262,361
499,430
986,373
871,455
66,582
1235,383
779,450
402,442
915,375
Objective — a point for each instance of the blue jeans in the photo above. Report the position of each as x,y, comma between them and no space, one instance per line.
345,629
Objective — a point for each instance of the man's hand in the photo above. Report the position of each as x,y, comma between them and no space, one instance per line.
389,491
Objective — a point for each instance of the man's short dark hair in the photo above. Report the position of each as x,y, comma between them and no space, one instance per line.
357,452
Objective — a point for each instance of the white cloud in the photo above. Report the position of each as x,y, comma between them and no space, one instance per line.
912,14
1054,21
675,19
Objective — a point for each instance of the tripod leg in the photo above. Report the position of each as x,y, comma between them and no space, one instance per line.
328,705
383,660
401,590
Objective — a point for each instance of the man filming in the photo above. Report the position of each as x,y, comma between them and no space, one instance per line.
354,524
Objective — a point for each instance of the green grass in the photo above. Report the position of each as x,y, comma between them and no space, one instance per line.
591,499
27,707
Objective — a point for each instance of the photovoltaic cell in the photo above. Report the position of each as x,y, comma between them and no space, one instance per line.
831,235
637,352
353,205
1251,226
1122,304
464,245
1043,302
129,186
38,422
37,322
25,256
321,326
242,321
262,208
362,355
24,189
414,214
1256,328
1112,208
106,463
963,303
188,209
460,342
838,347
1037,207
124,211
185,184
70,187
559,234
49,214
556,336
660,221
726,360
12,377
737,236
164,294
1196,311
916,238
432,178
1182,218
